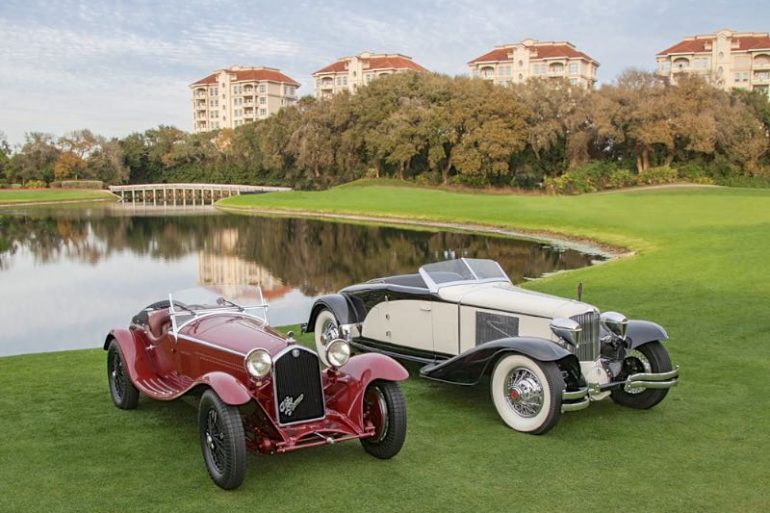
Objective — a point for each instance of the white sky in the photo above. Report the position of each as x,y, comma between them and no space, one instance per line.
117,67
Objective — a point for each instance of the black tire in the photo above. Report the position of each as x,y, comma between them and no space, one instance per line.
222,441
385,397
124,393
657,361
527,393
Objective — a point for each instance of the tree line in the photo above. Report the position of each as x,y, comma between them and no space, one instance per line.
437,129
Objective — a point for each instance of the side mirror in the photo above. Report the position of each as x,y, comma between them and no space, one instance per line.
616,323
567,330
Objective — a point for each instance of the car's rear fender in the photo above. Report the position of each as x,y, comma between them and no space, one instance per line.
133,351
362,370
338,305
227,387
640,332
469,367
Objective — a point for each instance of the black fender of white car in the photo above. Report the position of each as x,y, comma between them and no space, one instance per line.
469,367
338,304
640,332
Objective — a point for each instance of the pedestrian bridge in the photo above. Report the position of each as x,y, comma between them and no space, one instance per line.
183,194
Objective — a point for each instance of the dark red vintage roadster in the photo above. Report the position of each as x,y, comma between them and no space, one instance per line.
257,388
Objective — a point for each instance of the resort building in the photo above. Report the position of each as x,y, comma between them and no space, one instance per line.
518,62
233,96
350,73
726,58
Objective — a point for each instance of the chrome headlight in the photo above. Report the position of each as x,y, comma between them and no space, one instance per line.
258,363
615,322
338,353
566,329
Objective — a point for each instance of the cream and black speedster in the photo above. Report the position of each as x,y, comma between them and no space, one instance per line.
462,319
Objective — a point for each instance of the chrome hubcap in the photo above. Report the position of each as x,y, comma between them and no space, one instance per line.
524,392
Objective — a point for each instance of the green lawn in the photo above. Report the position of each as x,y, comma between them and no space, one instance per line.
701,271
10,197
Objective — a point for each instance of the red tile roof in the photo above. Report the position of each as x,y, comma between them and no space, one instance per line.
540,51
375,63
699,45
258,74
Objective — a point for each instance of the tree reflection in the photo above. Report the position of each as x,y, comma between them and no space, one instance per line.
313,256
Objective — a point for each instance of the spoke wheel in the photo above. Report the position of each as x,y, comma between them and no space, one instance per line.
222,441
527,393
385,408
124,393
649,357
326,329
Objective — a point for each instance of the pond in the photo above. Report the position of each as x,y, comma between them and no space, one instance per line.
70,274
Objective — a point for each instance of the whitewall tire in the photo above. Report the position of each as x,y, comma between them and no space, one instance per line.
527,393
326,329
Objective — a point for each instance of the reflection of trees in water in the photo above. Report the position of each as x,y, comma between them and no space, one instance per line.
314,256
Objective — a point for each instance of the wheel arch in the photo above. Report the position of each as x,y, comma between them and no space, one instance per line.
640,332
338,304
132,351
229,389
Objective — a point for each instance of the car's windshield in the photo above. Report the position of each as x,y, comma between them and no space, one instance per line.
462,270
188,303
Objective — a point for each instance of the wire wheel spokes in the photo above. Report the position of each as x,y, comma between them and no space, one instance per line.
635,362
118,376
376,410
215,440
524,392
330,332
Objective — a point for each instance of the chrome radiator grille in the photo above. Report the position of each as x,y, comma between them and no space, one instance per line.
297,385
588,339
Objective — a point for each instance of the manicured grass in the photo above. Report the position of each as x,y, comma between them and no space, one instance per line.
701,271
10,197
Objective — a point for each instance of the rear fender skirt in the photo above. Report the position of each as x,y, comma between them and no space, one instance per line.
468,367
227,387
362,370
134,353
339,306
641,332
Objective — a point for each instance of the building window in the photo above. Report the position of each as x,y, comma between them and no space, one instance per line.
521,64
701,63
507,70
344,81
574,67
263,112
665,66
214,113
539,69
214,91
368,78
573,81
262,88
262,100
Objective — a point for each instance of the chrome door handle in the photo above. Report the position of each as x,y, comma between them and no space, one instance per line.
425,308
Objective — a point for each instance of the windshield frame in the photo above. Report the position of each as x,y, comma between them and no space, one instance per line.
434,287
180,312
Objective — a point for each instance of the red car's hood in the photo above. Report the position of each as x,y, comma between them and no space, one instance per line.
235,332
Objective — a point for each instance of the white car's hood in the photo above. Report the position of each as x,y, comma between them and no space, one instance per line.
509,298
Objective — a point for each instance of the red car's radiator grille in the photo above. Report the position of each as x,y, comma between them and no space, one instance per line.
588,339
299,394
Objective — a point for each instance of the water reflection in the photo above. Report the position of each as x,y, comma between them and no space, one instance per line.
89,269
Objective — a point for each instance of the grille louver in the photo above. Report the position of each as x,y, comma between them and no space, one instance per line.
588,339
297,384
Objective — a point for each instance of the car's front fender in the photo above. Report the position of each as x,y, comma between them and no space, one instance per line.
227,387
359,373
640,332
468,367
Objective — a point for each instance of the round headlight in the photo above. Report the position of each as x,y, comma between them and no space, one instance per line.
615,322
338,353
258,363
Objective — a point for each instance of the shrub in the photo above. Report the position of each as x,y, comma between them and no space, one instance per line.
82,184
591,177
35,184
659,175
15,186
55,185
469,180
4,185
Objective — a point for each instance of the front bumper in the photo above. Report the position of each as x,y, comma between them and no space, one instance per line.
575,400
653,379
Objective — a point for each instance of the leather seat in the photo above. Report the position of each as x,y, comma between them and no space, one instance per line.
158,322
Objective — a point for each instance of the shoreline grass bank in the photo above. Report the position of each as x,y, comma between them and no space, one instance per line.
31,197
